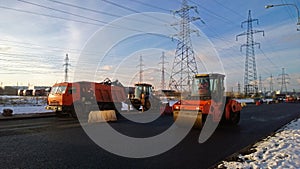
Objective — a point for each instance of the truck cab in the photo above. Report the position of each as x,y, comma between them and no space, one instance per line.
60,98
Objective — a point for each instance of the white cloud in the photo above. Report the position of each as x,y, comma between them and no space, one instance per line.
106,68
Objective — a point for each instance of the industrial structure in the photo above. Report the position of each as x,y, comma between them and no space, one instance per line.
184,66
141,65
283,77
250,77
163,62
271,84
205,102
66,65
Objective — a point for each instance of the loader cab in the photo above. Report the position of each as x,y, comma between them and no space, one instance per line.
142,88
206,85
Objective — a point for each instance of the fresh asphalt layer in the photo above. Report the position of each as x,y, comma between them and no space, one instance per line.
61,143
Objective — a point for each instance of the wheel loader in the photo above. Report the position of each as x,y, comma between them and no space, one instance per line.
143,98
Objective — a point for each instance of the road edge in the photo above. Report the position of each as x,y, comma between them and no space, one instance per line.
27,116
247,149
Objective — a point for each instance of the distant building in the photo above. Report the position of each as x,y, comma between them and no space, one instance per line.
1,91
10,90
24,90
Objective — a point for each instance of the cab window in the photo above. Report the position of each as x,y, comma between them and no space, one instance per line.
58,89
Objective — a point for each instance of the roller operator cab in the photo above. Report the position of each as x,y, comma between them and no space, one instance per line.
207,100
206,86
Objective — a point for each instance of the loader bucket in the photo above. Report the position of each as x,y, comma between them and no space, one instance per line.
102,116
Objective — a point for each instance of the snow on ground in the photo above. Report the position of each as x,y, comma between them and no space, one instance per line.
245,100
281,150
23,104
26,109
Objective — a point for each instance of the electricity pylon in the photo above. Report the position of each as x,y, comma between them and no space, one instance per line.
184,65
283,77
66,65
250,77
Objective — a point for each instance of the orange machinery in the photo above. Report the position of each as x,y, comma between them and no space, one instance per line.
85,96
208,101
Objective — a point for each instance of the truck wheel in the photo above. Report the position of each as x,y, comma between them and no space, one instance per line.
147,105
73,114
118,107
234,117
79,110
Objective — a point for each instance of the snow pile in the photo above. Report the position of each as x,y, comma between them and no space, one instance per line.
245,100
26,109
22,100
281,150
24,104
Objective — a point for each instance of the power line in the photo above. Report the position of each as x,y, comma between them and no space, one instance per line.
13,55
213,13
100,12
92,10
132,10
62,11
267,57
233,11
150,5
50,16
83,8
49,48
121,6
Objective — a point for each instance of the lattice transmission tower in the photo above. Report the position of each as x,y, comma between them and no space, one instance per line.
141,65
271,83
184,65
260,84
66,65
250,77
163,69
283,77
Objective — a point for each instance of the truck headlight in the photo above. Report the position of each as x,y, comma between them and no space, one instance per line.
176,107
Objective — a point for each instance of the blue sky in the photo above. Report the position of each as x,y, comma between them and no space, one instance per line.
36,35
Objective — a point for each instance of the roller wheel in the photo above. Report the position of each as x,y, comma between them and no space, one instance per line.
234,118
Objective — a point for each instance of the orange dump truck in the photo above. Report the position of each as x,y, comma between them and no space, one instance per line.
85,96
207,101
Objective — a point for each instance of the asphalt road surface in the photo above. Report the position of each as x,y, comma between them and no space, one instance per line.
61,143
